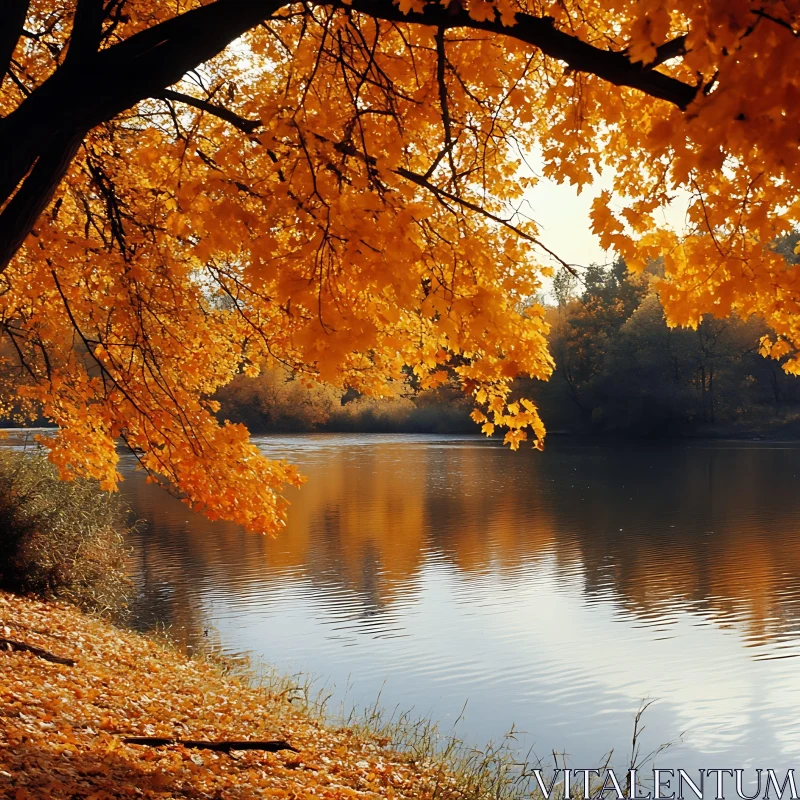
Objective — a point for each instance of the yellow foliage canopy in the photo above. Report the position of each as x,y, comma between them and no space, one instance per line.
191,190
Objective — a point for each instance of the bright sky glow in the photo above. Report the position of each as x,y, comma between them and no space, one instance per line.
562,214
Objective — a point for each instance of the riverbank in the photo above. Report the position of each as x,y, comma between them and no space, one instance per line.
62,727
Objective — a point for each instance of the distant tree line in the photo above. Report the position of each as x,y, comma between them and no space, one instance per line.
619,370
278,401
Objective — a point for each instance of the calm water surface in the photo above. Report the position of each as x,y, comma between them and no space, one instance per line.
553,591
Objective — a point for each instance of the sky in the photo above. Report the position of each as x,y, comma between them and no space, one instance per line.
562,214
563,218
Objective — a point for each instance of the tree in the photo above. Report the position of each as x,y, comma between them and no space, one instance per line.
564,286
709,374
583,336
276,400
347,175
621,369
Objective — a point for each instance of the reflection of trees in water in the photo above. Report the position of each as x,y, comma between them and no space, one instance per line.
659,529
166,595
712,529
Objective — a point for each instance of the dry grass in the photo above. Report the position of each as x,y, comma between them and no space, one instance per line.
58,539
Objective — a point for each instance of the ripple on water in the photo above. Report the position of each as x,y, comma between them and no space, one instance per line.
554,590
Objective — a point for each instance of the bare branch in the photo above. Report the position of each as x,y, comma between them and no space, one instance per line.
242,123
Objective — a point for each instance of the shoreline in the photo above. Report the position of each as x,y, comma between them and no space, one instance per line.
778,433
62,726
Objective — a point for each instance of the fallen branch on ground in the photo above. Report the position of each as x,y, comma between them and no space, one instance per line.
12,644
223,746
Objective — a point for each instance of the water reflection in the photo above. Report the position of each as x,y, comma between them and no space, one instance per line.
553,590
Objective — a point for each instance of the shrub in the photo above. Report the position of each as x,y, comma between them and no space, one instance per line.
60,539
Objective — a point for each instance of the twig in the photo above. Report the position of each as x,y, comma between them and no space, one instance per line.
221,746
12,644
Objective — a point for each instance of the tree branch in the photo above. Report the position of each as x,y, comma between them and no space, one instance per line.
224,746
20,215
443,194
87,28
441,69
671,49
12,21
541,32
72,101
242,123
24,647
41,133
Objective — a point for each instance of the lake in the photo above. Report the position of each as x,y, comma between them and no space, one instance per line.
554,591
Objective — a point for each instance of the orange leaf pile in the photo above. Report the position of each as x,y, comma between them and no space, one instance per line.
61,727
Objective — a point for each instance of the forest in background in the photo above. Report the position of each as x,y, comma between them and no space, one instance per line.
620,370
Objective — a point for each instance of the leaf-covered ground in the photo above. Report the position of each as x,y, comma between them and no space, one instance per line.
61,727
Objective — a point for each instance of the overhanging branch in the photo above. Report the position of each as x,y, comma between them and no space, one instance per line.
541,32
40,134
242,123
87,29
